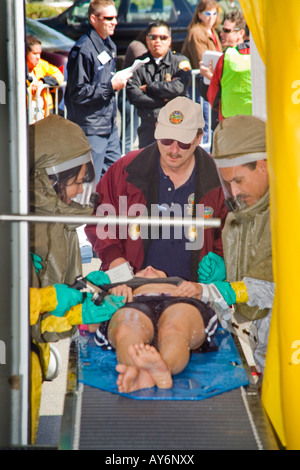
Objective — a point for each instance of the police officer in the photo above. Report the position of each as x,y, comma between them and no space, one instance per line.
166,76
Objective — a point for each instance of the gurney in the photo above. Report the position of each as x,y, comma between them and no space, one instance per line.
214,404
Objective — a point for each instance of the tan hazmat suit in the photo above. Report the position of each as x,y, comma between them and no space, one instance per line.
52,140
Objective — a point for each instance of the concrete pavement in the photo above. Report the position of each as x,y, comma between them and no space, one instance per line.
53,393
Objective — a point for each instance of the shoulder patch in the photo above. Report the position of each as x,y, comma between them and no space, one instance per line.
185,65
208,212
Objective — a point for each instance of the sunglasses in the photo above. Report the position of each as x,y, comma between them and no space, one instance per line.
153,37
210,13
227,31
107,18
168,142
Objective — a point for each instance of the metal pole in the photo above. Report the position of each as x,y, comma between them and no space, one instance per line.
120,220
14,289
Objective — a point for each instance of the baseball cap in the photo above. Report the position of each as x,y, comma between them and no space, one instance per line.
180,120
238,140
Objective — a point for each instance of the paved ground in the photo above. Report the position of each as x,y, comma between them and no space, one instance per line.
53,392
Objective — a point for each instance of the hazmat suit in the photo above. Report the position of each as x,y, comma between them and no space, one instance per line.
246,283
55,145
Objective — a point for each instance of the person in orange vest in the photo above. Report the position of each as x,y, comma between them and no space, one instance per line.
39,73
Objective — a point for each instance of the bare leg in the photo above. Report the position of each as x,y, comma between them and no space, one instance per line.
127,327
180,329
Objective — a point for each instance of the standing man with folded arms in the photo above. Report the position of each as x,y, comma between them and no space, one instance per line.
166,76
91,85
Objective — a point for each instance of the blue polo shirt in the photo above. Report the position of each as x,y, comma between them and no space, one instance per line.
168,251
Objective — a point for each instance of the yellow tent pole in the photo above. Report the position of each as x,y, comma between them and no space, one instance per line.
281,385
283,131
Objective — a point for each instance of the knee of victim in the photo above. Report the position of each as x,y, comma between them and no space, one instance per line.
168,331
119,332
130,332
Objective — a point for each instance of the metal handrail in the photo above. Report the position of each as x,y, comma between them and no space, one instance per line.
38,113
119,220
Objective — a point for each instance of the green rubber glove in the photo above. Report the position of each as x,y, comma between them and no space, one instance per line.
92,313
211,268
98,278
66,297
37,262
226,291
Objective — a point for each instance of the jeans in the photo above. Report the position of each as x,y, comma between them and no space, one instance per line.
106,151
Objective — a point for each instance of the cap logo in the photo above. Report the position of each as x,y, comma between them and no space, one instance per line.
176,117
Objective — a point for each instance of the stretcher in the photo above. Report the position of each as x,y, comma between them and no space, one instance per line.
95,419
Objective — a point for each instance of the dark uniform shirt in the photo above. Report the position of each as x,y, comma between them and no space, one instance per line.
90,98
165,79
169,252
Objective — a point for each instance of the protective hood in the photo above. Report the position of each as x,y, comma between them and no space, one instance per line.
238,140
56,146
55,140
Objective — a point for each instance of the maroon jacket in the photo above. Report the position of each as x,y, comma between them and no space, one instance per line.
136,177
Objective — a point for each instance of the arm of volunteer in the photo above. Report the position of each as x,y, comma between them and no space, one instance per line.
214,89
80,83
260,292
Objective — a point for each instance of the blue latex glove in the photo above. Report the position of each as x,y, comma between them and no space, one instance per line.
226,291
37,262
66,297
92,313
98,278
211,268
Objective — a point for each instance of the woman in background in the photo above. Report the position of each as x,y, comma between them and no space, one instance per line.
202,36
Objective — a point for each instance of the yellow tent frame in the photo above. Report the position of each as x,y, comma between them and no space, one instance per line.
277,38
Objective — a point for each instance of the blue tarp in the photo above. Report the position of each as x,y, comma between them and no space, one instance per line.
206,375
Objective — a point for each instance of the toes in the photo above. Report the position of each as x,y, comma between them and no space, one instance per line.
121,368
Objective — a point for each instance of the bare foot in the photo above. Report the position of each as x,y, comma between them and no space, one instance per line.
147,358
131,379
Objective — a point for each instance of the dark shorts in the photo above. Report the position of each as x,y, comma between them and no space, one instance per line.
154,306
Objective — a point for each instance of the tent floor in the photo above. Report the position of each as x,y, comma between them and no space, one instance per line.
95,419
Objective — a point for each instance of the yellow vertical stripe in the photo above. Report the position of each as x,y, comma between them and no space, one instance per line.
281,386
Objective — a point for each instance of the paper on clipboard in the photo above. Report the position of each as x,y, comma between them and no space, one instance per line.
121,273
207,56
126,73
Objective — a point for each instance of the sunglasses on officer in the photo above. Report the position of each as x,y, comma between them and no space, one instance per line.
162,37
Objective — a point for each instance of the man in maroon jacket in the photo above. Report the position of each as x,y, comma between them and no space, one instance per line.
173,176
